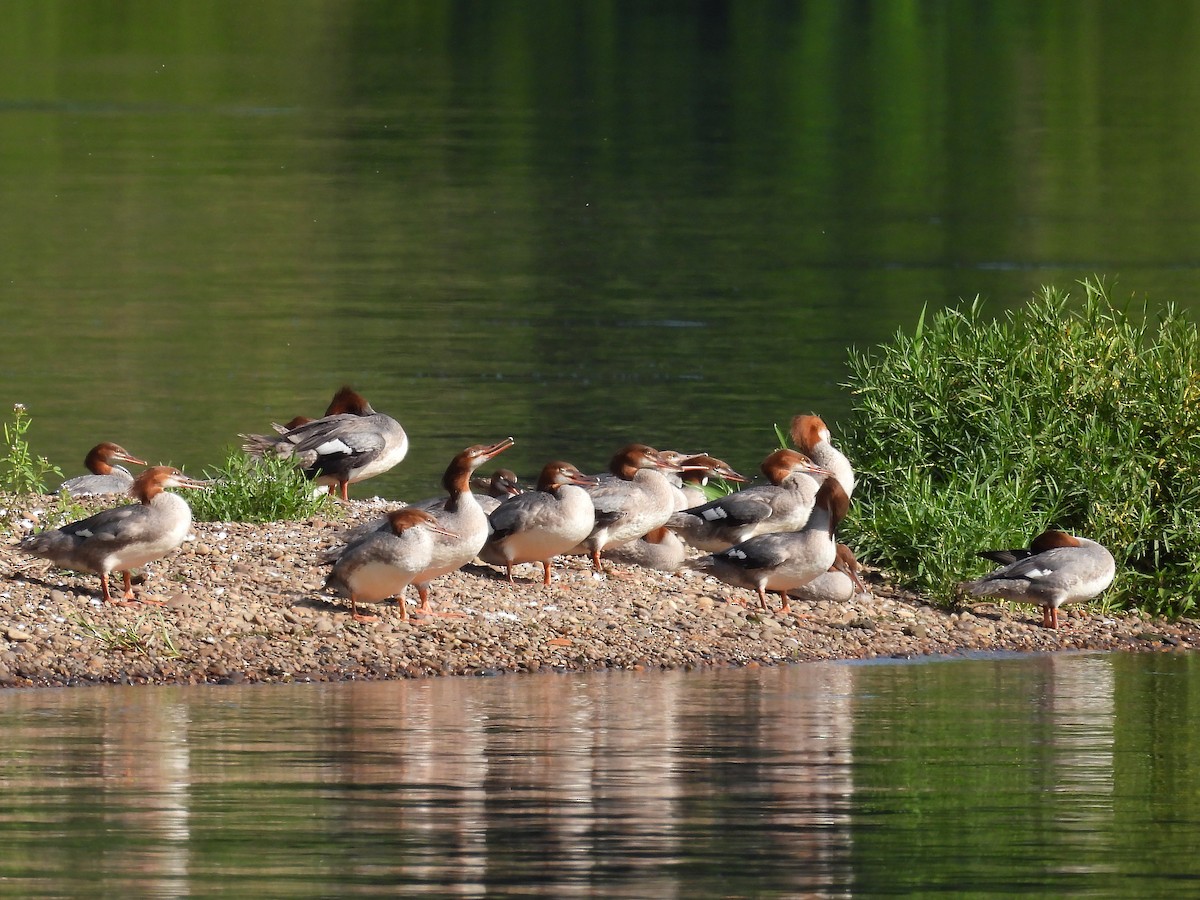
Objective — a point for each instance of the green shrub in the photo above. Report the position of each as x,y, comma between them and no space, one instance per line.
270,489
973,433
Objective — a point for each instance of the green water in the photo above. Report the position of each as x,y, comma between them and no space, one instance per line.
580,224
1047,776
576,223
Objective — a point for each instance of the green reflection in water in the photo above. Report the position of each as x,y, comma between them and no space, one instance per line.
1054,775
580,223
1047,775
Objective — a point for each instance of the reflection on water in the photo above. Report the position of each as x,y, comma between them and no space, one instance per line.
1032,774
578,223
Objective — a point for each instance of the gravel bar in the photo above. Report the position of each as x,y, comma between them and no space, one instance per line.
243,603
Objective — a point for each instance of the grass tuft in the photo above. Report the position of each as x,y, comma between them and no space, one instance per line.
148,638
975,433
244,489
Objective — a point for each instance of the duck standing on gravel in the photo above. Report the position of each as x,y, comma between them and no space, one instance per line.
783,505
103,477
1056,568
638,500
811,435
458,512
381,564
537,525
341,449
121,539
783,561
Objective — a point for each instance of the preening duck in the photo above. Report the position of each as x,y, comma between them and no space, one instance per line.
783,561
839,584
340,449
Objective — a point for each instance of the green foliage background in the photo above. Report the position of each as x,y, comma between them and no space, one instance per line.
974,433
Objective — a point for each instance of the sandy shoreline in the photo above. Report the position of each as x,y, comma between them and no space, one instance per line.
242,603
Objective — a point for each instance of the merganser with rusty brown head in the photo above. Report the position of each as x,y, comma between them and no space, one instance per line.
638,500
538,525
783,561
698,472
811,435
124,538
103,477
493,491
459,511
382,564
342,448
345,401
1056,568
783,505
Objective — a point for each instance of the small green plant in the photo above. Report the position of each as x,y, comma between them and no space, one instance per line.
246,489
782,438
130,638
975,433
20,471
70,508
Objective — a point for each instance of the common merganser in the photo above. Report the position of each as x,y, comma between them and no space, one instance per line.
811,435
105,478
538,525
339,449
495,490
383,563
783,561
698,471
782,505
660,549
839,584
459,511
639,500
346,400
1056,568
121,539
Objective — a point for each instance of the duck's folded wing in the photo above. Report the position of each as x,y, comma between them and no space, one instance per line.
765,552
739,508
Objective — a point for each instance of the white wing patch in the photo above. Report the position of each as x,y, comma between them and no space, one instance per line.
333,446
735,553
715,513
1039,573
